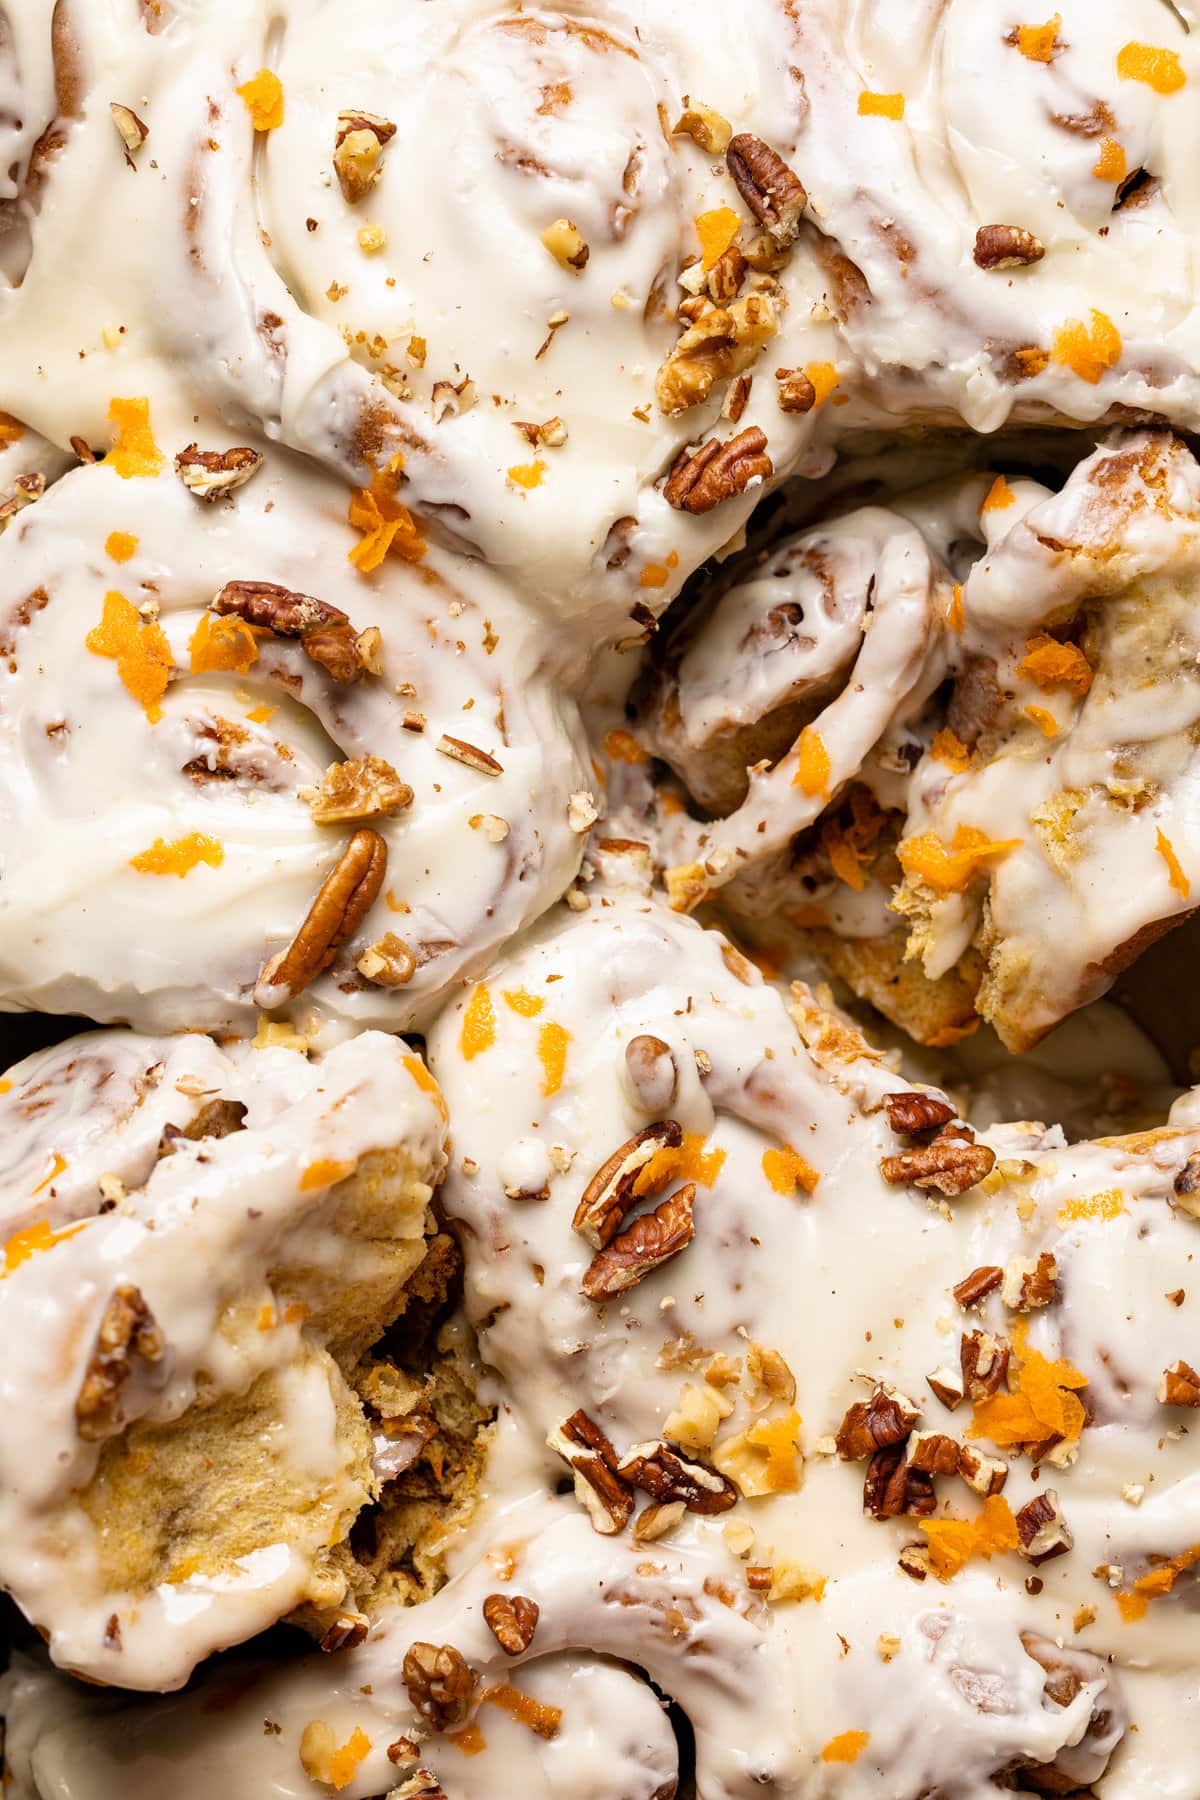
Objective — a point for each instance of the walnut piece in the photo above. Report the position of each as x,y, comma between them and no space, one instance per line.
609,1196
1180,1386
440,1684
949,1165
1006,247
704,126
566,244
358,152
1030,1282
770,189
512,1621
127,1330
706,478
388,963
642,1247
343,901
887,1418
598,1488
364,787
723,341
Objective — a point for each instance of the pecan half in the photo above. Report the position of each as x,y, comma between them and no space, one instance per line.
652,1073
663,1472
772,191
933,1453
598,1488
911,1113
343,901
893,1490
1180,1386
127,1329
609,1197
357,152
984,1364
1006,247
364,787
977,1285
1043,1531
643,1246
702,480
209,474
951,1165
325,632
885,1419
439,1682
1030,1282
512,1621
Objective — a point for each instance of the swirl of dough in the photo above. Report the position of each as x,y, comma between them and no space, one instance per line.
43,80
213,780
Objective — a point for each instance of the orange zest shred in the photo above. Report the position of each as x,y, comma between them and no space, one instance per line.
880,106
223,643
479,1024
140,650
1158,68
5,1087
1041,1402
527,475
180,856
468,1740
11,430
949,869
553,1042
690,1162
134,451
523,1002
954,618
57,1165
1112,164
1039,42
998,497
846,845
953,1542
846,1747
1108,1206
386,525
812,763
426,1082
1088,349
263,98
120,545
949,749
324,1172
1045,721
787,1170
716,231
1155,1583
824,378
779,1440
33,1239
261,715
534,1714
343,1764
1178,879
1054,665
622,746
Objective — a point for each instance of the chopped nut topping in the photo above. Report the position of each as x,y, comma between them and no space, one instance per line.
566,245
210,474
933,1453
887,1418
947,1384
389,963
365,787
1030,1282
439,1683
660,1470
656,1520
706,478
347,1632
1006,247
449,400
893,1489
950,1165
358,152
1186,1186
915,1562
737,397
343,901
582,811
724,280
915,1112
986,1474
1043,1531
770,189
723,341
598,1487
977,1285
796,392
512,1621
469,755
984,1364
609,1196
26,489
131,130
653,1076
704,126
642,1247
325,632
127,1330
1180,1386
493,827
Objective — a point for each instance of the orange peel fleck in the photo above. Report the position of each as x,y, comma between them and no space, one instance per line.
1159,68
140,650
787,1170
479,1024
813,765
1178,879
180,856
263,99
1053,665
134,451
948,869
1088,350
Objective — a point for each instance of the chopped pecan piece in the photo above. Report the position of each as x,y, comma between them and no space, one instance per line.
440,1684
210,474
325,632
127,1329
347,1632
933,1453
893,1490
722,341
726,276
663,1472
654,1521
1186,1186
986,1474
1006,247
215,1119
365,787
357,153
950,1164
704,126
1030,1282
469,755
26,489
131,130
388,963
512,1621
984,1364
796,392
772,191
653,1076
1180,1386
343,901
422,1784
1042,1529
702,480
947,1385
643,1246
977,1285
915,1562
609,1196
598,1488
885,1419
914,1112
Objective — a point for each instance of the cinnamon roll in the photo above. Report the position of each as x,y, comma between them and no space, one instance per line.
278,783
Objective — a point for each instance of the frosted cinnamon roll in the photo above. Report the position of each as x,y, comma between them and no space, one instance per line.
281,781
556,266
1005,200
201,1246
